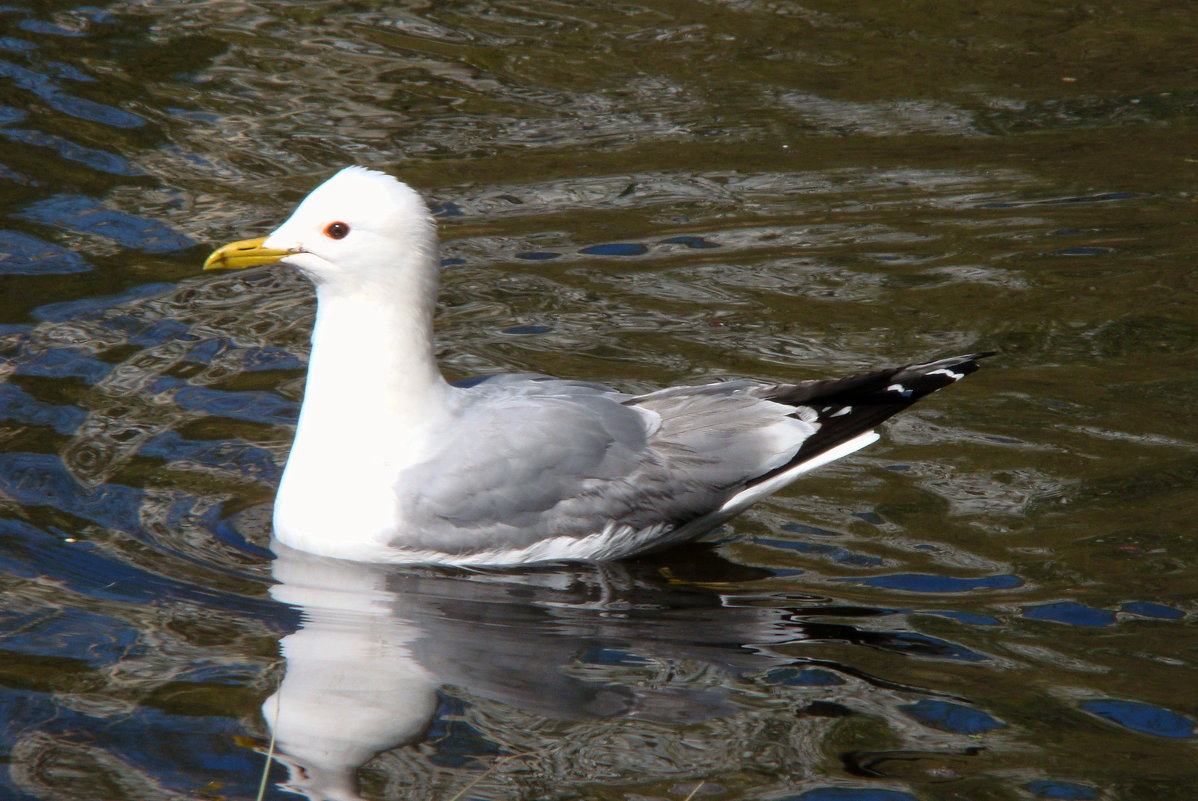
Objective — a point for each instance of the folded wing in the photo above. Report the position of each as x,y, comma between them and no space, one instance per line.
532,459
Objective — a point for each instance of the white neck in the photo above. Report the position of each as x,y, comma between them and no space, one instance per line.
373,385
373,375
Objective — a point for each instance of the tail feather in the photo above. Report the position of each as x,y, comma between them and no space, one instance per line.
846,408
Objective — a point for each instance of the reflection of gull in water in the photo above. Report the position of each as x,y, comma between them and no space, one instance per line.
377,643
363,671
353,685
392,464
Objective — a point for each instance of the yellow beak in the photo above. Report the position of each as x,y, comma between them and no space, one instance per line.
247,253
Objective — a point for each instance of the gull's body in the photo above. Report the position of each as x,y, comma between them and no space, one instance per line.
393,464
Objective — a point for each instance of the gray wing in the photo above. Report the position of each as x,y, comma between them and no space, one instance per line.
528,460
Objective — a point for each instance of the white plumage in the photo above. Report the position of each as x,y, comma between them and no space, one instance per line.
392,464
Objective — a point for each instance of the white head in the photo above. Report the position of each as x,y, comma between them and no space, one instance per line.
360,229
354,225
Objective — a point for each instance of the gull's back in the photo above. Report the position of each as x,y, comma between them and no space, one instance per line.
535,469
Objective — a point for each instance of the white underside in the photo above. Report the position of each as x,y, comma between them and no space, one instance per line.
613,541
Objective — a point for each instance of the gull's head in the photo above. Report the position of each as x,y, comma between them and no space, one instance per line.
359,226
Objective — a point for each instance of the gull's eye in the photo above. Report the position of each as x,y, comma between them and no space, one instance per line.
336,230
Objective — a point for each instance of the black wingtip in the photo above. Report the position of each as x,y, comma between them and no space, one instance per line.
848,407
916,381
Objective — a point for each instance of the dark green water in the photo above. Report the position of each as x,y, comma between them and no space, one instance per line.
994,602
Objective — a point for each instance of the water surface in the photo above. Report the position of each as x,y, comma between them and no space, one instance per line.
994,602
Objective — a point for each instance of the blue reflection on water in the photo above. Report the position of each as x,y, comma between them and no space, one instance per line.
1144,718
18,406
1150,609
8,115
86,569
72,309
834,552
86,636
248,460
803,677
461,743
248,359
86,215
43,27
527,329
951,717
41,479
182,752
1068,791
47,90
1073,614
96,159
254,406
159,332
22,254
923,582
16,45
616,249
63,363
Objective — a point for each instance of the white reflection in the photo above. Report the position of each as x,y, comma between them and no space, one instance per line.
377,643
352,686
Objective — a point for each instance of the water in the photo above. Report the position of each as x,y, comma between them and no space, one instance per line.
995,602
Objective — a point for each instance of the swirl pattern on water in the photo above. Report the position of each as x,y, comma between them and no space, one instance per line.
644,194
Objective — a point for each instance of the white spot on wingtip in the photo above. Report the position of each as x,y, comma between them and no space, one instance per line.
945,371
900,389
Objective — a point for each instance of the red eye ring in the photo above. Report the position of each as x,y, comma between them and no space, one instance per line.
336,230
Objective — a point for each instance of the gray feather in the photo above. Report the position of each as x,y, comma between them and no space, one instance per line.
526,458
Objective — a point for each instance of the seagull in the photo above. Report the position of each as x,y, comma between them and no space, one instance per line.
393,464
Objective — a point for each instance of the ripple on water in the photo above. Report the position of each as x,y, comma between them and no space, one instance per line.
641,221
